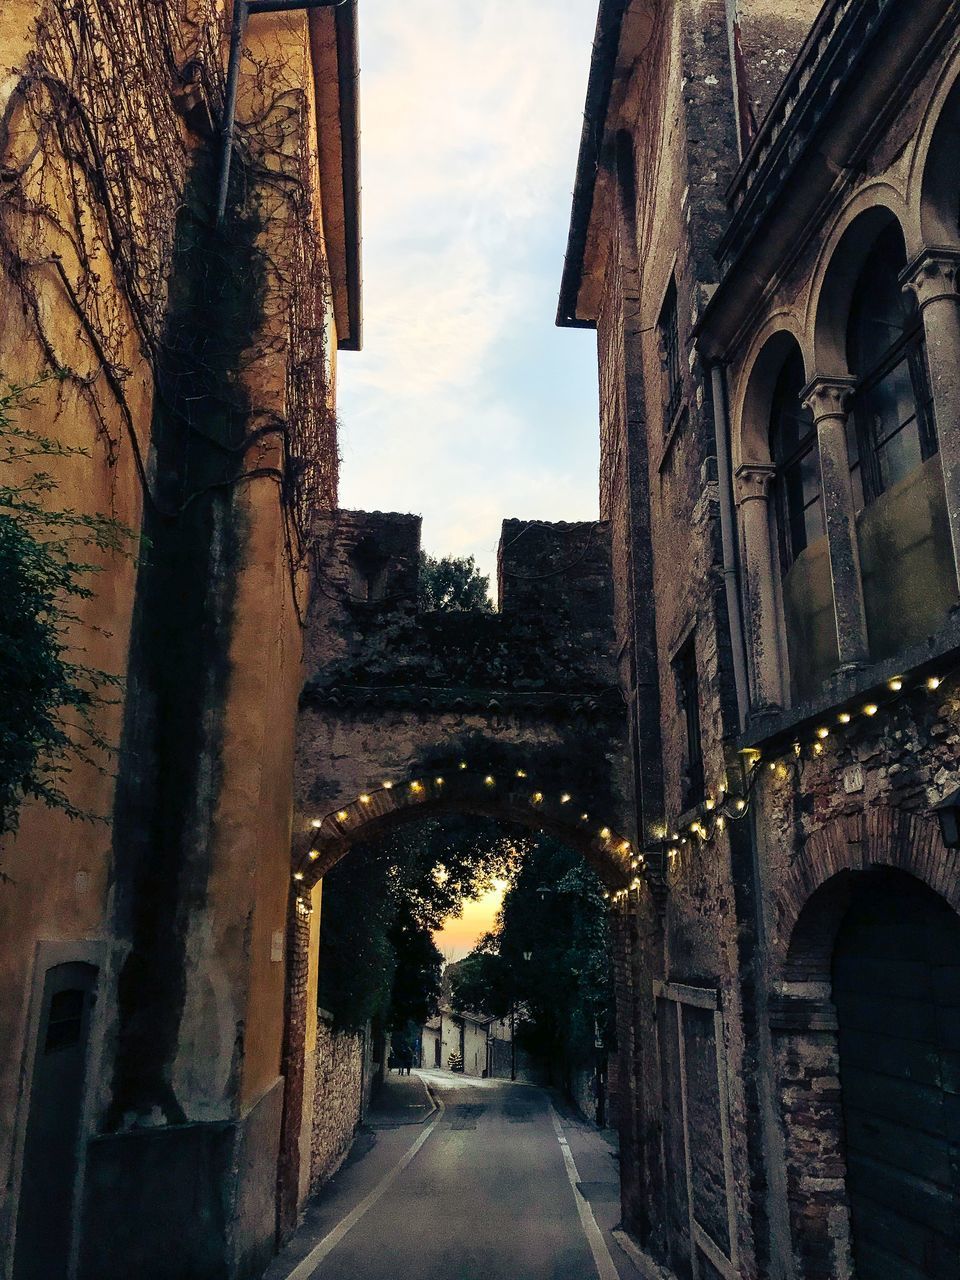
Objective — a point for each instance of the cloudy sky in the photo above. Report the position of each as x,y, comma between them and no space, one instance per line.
467,404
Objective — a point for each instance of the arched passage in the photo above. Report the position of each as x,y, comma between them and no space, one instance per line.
407,714
896,987
862,1020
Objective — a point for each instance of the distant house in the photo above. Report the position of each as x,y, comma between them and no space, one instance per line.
457,1041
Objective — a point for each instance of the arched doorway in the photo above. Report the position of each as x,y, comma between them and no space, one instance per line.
896,987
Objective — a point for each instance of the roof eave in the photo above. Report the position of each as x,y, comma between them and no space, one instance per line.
603,64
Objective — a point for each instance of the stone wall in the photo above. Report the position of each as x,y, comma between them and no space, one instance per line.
340,1099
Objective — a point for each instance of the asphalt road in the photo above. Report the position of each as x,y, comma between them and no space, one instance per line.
492,1186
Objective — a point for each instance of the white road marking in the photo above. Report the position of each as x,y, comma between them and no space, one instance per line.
304,1270
598,1246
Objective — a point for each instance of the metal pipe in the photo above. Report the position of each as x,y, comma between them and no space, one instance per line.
237,27
731,577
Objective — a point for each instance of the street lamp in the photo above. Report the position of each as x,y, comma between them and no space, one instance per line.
948,815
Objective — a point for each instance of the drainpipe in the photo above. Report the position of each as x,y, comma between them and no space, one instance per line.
728,534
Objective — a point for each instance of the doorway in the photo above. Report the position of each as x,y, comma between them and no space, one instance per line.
51,1150
896,986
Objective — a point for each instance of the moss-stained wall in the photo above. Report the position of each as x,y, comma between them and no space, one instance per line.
909,579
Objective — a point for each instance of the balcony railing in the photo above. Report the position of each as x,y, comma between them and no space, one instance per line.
835,50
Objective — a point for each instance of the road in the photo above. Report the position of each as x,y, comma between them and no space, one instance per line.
493,1186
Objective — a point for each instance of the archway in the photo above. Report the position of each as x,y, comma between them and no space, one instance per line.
896,986
407,714
862,1021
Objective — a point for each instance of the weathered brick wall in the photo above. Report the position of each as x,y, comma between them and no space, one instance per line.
338,1105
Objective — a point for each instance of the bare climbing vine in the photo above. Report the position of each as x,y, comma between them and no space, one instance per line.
107,166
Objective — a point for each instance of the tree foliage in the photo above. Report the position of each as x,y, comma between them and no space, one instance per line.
382,902
453,584
50,696
554,911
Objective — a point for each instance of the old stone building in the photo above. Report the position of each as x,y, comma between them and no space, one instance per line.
183,317
765,236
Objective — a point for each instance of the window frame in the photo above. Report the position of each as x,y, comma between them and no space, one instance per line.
686,672
668,333
912,348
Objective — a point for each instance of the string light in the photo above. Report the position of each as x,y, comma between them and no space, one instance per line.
896,684
388,786
463,764
537,797
438,781
313,855
823,732
416,787
489,780
521,773
604,833
710,803
298,875
870,709
342,816
584,817
317,823
566,798
844,717
934,682
364,799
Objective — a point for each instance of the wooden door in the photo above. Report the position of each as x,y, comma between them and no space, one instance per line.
897,990
51,1152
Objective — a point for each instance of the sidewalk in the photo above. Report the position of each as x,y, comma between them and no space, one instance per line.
401,1100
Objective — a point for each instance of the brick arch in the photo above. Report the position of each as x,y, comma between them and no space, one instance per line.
880,837
505,796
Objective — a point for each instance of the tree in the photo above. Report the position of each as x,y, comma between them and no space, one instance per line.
555,912
453,584
50,696
382,902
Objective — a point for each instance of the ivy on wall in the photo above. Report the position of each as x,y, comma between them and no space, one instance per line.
50,697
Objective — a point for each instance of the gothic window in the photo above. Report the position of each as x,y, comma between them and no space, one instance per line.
668,327
796,453
688,694
890,430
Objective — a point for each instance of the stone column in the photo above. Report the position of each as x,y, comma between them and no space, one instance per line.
932,278
827,399
754,481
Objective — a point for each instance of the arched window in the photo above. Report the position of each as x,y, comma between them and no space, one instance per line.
891,429
795,451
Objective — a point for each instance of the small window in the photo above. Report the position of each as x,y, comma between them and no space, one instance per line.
688,694
891,429
796,453
668,327
65,1020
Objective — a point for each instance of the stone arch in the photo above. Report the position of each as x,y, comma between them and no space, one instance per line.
509,795
879,837
778,339
874,211
935,176
837,863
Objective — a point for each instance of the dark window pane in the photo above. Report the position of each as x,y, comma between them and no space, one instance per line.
688,690
892,410
793,443
65,1020
669,330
